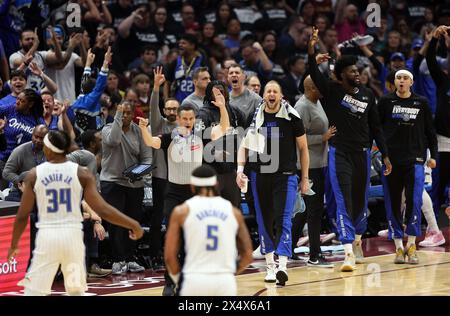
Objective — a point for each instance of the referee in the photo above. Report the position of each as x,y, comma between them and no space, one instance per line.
408,126
352,109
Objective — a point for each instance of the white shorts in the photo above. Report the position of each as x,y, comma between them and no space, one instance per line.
208,284
54,247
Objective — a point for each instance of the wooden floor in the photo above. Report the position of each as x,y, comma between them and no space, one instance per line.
379,276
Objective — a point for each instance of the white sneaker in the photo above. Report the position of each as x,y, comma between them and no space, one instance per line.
363,40
357,250
433,239
349,263
270,274
257,254
383,233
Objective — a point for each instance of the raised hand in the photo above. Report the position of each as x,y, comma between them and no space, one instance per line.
159,78
321,58
90,58
143,122
219,98
35,69
108,57
313,40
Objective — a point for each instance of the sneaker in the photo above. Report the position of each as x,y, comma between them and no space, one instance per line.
363,40
319,262
349,263
412,255
169,287
270,274
324,238
134,267
302,241
282,277
357,250
257,255
119,268
96,272
384,233
399,256
433,239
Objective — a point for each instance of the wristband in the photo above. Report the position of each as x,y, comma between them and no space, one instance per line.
240,169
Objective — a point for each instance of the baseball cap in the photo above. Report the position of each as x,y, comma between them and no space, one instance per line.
397,55
417,43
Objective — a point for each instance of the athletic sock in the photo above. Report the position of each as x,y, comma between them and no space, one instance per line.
282,263
398,243
411,241
348,249
428,213
270,261
358,238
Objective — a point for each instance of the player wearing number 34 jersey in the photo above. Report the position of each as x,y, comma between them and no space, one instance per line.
58,186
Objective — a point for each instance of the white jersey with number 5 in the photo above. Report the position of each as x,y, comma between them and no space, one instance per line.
58,195
210,231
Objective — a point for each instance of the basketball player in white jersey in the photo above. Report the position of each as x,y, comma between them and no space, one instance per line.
214,235
58,186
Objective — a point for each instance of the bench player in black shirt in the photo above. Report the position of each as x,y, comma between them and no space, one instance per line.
408,127
353,111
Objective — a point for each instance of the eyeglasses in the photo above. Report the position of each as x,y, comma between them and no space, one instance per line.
170,109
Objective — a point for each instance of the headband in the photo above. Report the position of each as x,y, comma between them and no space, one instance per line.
204,182
51,146
404,72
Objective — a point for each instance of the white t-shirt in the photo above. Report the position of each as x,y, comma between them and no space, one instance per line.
34,82
65,79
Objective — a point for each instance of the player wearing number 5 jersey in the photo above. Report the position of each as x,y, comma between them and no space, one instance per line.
58,186
214,233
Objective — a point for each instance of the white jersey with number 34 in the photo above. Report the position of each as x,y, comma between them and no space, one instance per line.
58,195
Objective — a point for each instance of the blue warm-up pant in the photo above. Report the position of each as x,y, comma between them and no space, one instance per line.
350,178
274,199
411,178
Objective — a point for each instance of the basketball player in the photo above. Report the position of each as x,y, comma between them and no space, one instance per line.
57,186
408,125
214,233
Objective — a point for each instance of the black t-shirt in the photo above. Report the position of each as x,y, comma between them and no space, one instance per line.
280,149
118,13
408,128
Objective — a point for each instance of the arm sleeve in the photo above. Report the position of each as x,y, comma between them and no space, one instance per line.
112,134
11,167
317,77
154,113
436,73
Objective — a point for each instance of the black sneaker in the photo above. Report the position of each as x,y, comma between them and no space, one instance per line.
319,262
282,277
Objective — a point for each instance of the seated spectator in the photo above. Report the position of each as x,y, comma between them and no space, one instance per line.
253,84
232,40
347,21
290,83
223,16
213,45
141,84
146,62
269,44
22,117
20,162
255,61
179,73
